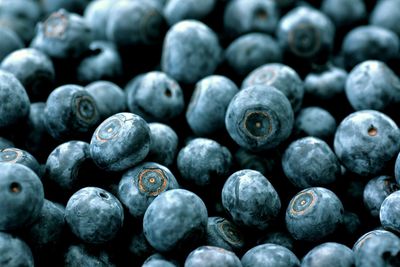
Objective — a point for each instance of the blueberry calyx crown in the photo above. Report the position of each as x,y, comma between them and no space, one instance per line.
108,130
229,232
302,203
257,123
304,40
56,25
152,181
10,155
85,107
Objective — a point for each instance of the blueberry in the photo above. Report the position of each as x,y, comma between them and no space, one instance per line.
132,23
389,213
109,98
66,166
94,215
344,13
120,142
373,85
280,76
140,185
310,161
244,16
15,155
250,199
10,42
102,62
365,141
376,191
209,256
278,238
259,117
313,213
377,248
155,97
191,51
329,254
63,35
33,69
205,113
266,164
21,197
269,255
5,143
96,16
203,162
14,252
176,10
47,230
385,14
15,103
76,6
315,121
369,42
327,84
163,144
224,234
157,260
307,34
250,51
397,169
175,220
138,246
79,255
70,113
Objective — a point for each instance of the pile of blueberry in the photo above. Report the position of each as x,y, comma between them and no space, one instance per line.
199,133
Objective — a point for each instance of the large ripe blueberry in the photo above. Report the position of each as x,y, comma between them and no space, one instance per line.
209,256
389,213
269,255
329,254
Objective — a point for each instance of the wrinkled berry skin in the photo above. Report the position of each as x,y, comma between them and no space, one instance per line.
207,107
33,69
264,49
133,23
315,121
120,142
208,256
389,213
14,252
269,255
94,215
15,155
244,16
155,97
65,163
306,33
329,254
10,42
369,42
203,162
14,101
376,191
79,255
365,141
63,35
48,229
373,85
175,220
191,51
109,98
70,113
259,117
102,63
280,76
309,161
176,10
250,199
313,213
327,84
377,248
140,185
21,196
163,144
224,234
